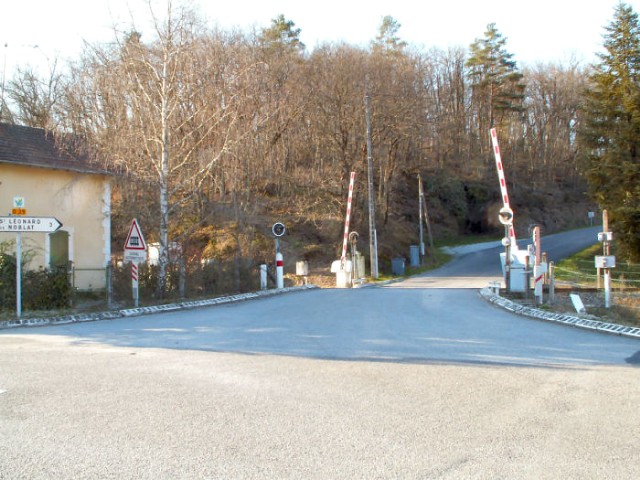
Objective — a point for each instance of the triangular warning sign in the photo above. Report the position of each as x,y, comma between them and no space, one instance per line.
135,239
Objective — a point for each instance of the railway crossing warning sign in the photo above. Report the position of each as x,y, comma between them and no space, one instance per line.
135,248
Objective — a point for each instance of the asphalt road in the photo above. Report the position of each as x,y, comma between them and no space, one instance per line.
400,381
475,265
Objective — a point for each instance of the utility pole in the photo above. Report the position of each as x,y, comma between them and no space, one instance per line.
420,198
424,211
373,240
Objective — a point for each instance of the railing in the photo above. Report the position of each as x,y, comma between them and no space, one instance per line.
625,284
622,279
88,279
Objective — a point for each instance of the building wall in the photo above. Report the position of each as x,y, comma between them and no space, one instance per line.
80,201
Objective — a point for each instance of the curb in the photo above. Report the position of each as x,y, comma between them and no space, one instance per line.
561,318
134,312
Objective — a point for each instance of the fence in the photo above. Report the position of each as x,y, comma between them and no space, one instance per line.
624,276
88,279
625,282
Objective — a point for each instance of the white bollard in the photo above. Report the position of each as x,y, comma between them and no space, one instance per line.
343,272
538,281
263,277
279,271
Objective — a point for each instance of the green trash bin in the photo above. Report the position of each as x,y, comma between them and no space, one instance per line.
397,266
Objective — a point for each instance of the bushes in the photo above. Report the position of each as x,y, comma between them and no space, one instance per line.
201,280
41,289
46,289
7,281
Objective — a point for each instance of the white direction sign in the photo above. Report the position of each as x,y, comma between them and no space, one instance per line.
29,224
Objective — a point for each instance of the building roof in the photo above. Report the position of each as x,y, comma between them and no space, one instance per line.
35,147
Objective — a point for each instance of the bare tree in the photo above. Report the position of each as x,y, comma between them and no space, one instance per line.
164,112
553,100
35,98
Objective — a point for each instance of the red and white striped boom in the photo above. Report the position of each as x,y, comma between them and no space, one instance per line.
503,182
346,222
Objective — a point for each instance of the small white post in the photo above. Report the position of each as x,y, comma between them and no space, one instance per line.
538,270
263,277
538,281
279,270
607,288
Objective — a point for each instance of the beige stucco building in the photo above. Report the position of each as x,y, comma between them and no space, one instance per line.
56,184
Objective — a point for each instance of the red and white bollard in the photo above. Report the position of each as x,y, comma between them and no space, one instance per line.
279,271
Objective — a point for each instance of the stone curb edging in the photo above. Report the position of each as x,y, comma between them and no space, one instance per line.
133,312
562,318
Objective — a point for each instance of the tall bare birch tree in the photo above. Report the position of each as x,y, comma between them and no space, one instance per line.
164,112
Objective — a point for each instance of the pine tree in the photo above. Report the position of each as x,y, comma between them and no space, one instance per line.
494,74
610,138
496,84
282,35
387,40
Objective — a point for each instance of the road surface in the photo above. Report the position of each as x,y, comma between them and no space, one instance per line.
400,381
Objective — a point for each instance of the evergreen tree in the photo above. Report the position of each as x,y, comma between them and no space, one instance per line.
282,35
611,135
495,80
387,40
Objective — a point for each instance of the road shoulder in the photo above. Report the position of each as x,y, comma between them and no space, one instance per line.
134,312
490,296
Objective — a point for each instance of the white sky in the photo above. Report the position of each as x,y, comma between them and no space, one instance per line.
536,30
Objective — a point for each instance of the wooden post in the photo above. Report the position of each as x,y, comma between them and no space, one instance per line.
605,252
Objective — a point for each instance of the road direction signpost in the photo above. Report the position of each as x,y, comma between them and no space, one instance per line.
135,251
19,222
29,224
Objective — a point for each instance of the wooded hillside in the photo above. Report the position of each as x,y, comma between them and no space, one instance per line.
217,134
